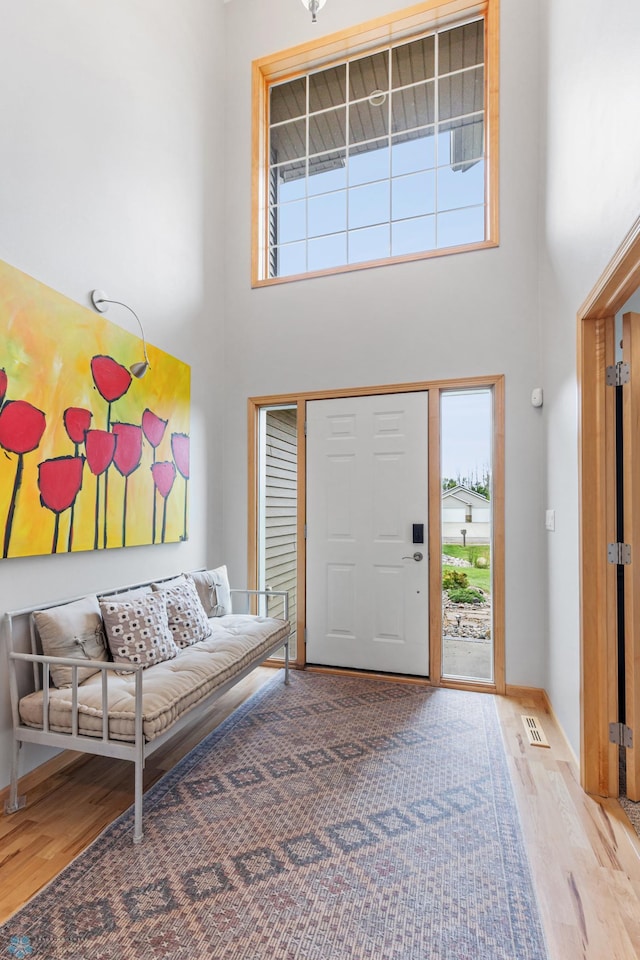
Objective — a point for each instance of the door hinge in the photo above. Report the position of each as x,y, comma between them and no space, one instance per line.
305,531
618,374
619,553
305,634
305,428
621,734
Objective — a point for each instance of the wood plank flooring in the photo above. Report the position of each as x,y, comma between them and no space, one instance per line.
584,855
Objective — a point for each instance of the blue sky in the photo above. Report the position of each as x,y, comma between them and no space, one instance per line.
392,200
465,441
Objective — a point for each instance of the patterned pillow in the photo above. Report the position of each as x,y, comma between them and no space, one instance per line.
188,622
138,630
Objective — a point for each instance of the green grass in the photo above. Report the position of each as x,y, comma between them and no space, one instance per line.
467,553
476,576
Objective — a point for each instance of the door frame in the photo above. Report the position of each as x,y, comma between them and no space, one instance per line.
596,465
434,387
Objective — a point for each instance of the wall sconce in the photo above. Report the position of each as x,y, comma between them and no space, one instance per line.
100,301
313,6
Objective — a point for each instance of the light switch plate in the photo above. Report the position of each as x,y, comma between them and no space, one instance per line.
550,520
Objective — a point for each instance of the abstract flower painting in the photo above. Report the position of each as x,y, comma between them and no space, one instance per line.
88,453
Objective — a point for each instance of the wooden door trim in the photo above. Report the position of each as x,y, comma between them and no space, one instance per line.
435,544
631,424
253,518
498,530
301,599
493,381
417,386
598,631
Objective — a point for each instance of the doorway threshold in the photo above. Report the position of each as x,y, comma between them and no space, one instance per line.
369,674
453,683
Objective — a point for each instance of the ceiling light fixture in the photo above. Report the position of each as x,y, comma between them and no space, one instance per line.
313,6
100,301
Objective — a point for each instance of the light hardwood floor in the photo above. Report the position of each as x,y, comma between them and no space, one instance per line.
584,855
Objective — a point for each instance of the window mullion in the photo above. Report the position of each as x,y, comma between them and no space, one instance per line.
306,189
347,158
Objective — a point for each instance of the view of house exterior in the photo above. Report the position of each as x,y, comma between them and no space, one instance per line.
466,516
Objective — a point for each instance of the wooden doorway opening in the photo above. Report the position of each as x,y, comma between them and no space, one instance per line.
435,389
597,488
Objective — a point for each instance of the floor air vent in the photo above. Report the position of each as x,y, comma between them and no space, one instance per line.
535,732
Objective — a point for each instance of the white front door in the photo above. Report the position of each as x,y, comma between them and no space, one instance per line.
367,597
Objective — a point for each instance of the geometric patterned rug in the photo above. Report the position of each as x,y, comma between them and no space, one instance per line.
338,818
630,807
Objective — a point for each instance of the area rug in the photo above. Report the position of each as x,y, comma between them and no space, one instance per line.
630,807
338,818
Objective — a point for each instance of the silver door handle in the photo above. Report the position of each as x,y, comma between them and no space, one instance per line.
417,556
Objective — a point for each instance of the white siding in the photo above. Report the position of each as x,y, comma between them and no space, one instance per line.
281,508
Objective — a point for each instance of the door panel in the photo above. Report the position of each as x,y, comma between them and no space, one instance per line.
367,598
341,600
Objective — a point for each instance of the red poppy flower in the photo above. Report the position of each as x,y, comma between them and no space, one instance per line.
3,384
59,481
128,447
111,378
180,451
100,446
21,426
77,421
164,474
153,427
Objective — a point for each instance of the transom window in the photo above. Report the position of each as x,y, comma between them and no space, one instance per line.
380,157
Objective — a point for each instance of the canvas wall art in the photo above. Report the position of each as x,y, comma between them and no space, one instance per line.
90,457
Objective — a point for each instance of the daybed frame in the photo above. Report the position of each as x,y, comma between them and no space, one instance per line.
136,751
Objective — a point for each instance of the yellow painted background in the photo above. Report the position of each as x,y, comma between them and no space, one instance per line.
46,345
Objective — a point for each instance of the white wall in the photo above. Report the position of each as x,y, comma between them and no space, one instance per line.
591,191
452,316
112,178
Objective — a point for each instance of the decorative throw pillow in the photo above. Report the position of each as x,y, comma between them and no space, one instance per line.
213,590
72,630
138,630
188,622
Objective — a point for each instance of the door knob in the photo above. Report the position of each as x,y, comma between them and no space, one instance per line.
417,556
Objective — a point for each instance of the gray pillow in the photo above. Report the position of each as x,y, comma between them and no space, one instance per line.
138,630
72,630
213,590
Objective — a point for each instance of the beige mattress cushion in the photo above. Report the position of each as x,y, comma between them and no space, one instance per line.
169,688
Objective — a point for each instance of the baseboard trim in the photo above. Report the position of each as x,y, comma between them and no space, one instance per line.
539,698
537,695
472,686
